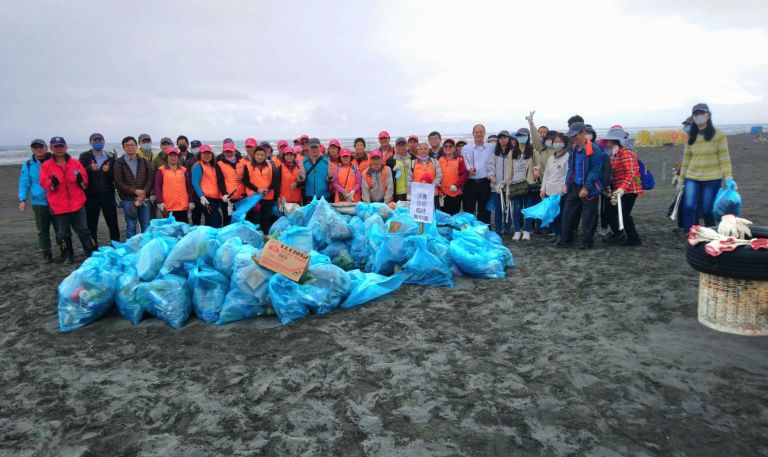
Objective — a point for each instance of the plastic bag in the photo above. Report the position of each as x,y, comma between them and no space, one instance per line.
463,220
291,300
168,227
280,226
298,237
340,254
199,244
248,294
125,297
391,248
426,268
327,225
365,287
335,285
166,298
86,294
246,231
150,258
209,288
547,210
366,210
475,256
132,244
243,206
444,224
728,201
225,255
361,248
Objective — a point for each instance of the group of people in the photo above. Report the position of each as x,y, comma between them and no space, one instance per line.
509,170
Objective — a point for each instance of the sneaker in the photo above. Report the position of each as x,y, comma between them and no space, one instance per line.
526,236
47,257
516,237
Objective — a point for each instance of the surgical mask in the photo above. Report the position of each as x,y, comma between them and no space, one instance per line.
146,147
700,119
558,146
590,137
98,147
522,139
183,148
548,143
194,150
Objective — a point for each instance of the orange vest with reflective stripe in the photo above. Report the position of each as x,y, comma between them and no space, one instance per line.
208,182
450,169
361,165
288,177
421,168
261,178
347,177
231,176
175,194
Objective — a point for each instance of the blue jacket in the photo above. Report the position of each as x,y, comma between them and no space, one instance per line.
317,180
593,164
29,182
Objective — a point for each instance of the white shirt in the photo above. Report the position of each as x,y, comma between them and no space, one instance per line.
477,158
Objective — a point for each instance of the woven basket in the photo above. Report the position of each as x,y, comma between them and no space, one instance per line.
737,306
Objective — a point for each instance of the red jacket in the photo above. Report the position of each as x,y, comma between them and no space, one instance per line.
68,196
626,172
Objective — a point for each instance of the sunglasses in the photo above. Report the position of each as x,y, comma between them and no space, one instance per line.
448,146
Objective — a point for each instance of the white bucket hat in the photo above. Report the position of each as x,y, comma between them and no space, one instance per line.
617,134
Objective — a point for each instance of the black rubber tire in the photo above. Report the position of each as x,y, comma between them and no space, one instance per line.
743,263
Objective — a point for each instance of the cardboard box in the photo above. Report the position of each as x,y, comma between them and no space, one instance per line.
283,259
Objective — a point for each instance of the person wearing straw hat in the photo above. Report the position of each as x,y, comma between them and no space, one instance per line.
626,185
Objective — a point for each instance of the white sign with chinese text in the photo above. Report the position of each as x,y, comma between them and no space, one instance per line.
422,202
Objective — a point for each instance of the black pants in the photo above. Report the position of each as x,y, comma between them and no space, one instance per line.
262,217
180,216
197,213
76,220
102,203
586,208
400,197
225,215
213,216
452,205
476,195
627,203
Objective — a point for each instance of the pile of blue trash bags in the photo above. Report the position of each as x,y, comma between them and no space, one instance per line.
174,270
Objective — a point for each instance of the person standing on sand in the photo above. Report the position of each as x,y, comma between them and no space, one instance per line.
360,157
400,164
145,143
426,169
454,171
317,174
29,186
377,181
477,189
626,185
582,187
291,179
553,182
500,177
459,145
133,179
262,177
173,188
434,138
347,179
232,171
100,196
208,183
706,162
65,181
385,147
413,145
525,153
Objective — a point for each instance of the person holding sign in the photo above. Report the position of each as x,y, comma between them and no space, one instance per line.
377,183
261,176
426,170
346,179
454,171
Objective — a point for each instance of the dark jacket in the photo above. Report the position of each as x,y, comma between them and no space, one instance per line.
127,183
99,181
593,164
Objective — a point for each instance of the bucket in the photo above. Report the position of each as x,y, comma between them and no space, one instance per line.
738,306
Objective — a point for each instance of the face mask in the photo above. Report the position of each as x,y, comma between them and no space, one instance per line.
98,147
700,119
147,147
558,146
183,148
548,143
522,139
194,150
590,137
614,149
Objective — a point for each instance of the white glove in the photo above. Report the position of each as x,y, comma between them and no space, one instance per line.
230,208
225,198
161,206
441,200
351,195
734,226
499,187
398,166
675,178
152,198
204,201
618,193
192,206
529,117
453,188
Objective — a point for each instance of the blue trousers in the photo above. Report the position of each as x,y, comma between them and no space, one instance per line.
497,216
520,203
699,198
130,222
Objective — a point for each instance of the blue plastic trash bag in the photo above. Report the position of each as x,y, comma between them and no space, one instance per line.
86,294
547,210
132,244
443,222
327,225
391,248
340,254
292,300
280,225
125,296
297,237
475,256
110,255
209,288
426,268
150,258
166,298
315,258
303,214
361,249
369,286
248,294
335,285
168,226
466,220
491,205
366,210
127,262
243,206
199,244
728,201
225,255
246,231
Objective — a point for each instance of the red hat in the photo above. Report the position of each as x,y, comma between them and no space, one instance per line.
426,178
289,150
304,137
383,134
205,148
414,138
172,150
251,142
449,140
345,152
334,143
228,147
282,143
322,149
296,141
376,153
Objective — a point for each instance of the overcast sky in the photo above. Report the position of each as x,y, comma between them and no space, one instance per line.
274,69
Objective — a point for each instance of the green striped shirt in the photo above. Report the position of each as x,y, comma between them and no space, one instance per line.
707,160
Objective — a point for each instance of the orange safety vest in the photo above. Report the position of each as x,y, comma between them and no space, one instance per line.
175,194
261,178
208,183
233,179
368,178
277,161
450,169
289,177
347,176
420,169
361,165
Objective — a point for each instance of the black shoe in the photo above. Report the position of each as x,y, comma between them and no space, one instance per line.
563,245
47,257
585,246
636,242
615,238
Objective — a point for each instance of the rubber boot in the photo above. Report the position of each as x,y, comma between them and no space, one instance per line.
47,256
70,253
63,249
89,245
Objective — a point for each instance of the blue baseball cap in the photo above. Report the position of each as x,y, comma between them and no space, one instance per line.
57,140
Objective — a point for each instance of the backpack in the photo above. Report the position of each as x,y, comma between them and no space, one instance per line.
646,177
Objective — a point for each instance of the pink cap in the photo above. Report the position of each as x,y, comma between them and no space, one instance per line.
304,137
172,150
617,126
376,153
345,152
334,143
205,148
228,147
322,149
296,141
289,150
383,134
282,143
251,142
413,137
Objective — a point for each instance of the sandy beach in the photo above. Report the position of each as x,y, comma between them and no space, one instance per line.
576,353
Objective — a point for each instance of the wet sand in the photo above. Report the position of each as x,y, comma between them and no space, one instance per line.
575,353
